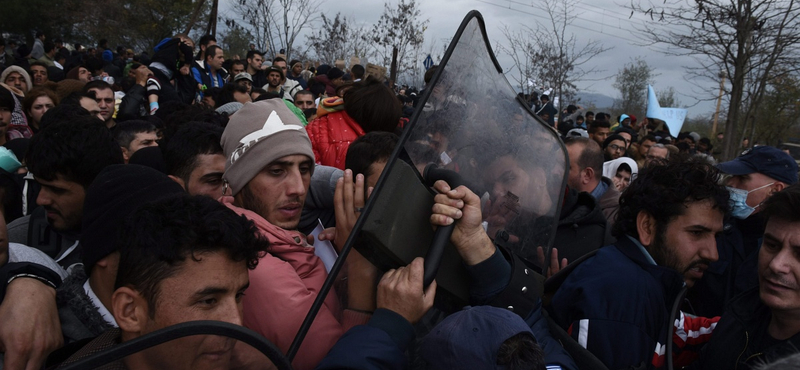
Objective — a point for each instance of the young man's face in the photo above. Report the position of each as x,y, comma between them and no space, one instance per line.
281,65
279,191
209,286
16,80
297,68
63,201
255,62
779,266
304,101
237,68
105,101
206,178
600,135
616,149
84,75
644,147
142,140
39,74
274,79
687,243
216,60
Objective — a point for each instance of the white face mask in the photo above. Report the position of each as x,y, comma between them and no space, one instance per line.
738,202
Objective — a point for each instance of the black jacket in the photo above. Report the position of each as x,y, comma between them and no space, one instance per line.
581,227
738,340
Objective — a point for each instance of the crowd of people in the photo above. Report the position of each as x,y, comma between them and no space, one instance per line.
141,191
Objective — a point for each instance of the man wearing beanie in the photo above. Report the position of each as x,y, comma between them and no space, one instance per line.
84,300
755,176
268,169
614,147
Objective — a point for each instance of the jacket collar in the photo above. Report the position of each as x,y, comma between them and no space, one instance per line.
671,280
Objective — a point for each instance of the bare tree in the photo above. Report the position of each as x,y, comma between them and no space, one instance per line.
276,24
338,38
632,81
551,54
399,29
747,39
667,98
521,51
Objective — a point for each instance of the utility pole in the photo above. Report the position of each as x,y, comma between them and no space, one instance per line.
722,76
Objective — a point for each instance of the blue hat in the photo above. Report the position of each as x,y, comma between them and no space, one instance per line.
766,160
108,55
470,338
622,118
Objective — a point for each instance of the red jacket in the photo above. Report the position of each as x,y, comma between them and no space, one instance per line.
331,135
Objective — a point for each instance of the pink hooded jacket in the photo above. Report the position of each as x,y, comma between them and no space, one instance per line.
282,289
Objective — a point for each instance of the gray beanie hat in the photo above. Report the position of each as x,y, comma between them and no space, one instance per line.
257,135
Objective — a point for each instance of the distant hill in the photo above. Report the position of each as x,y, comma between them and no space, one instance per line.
598,100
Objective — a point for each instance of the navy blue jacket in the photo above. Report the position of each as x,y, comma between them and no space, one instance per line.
382,342
616,304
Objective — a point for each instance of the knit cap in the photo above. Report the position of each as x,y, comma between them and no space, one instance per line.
113,195
257,135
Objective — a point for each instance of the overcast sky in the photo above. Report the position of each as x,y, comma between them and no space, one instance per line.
600,21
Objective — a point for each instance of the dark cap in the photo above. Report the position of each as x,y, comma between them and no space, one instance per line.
611,138
334,73
766,160
470,338
113,195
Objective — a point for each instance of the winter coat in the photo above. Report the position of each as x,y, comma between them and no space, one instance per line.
617,305
331,135
283,288
738,340
581,227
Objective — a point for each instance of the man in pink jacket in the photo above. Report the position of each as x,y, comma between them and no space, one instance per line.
269,162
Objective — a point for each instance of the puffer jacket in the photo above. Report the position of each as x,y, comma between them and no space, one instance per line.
282,290
331,135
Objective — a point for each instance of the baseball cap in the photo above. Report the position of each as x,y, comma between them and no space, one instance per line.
766,160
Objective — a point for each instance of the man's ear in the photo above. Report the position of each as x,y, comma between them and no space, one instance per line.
178,180
776,187
125,154
587,175
646,227
130,310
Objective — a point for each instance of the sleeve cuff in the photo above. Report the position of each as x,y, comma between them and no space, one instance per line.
399,329
489,277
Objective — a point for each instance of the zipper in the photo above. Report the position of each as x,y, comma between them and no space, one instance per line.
746,343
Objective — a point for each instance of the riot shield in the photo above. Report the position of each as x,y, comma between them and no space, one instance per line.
190,345
473,129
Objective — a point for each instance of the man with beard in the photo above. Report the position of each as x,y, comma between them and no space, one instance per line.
617,304
64,158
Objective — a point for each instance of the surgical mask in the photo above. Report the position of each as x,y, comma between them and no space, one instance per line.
738,202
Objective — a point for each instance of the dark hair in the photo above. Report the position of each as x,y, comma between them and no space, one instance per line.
429,73
39,34
521,352
303,92
205,39
371,148
238,61
157,239
373,106
590,113
226,94
648,137
261,91
665,191
211,51
96,84
591,154
598,124
76,150
64,113
191,140
252,53
278,59
190,113
784,205
48,46
75,98
358,71
6,99
40,64
126,131
93,65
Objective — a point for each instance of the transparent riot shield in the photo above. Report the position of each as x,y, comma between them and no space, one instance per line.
191,345
469,129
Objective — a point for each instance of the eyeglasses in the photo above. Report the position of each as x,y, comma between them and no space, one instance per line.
616,147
